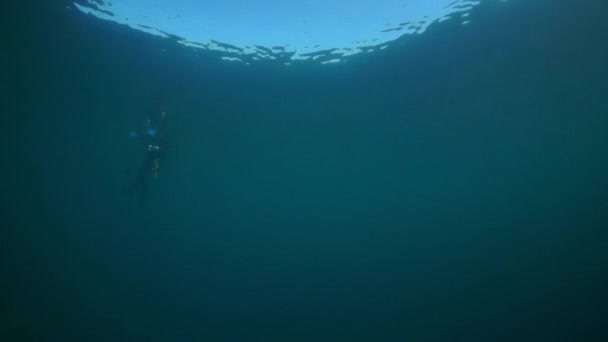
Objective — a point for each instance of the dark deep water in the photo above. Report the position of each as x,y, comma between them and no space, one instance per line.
451,189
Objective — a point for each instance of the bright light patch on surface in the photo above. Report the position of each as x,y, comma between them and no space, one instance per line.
255,30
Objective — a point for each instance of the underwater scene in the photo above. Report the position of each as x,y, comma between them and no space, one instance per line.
390,170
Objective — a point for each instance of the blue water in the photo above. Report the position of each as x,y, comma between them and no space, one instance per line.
450,188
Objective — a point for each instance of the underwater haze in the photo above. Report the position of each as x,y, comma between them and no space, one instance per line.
451,186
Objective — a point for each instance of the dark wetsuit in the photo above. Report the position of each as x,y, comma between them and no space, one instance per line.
154,137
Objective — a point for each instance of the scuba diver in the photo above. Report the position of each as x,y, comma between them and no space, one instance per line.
154,138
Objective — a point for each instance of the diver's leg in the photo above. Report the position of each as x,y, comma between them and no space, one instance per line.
143,192
140,182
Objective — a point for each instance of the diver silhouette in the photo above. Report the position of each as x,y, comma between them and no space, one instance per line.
154,139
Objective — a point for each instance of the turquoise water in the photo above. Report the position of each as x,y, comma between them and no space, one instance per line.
450,188
312,31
